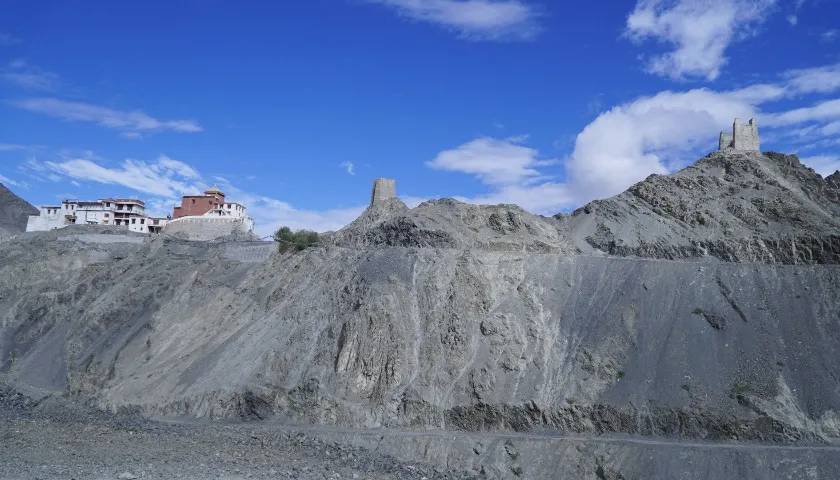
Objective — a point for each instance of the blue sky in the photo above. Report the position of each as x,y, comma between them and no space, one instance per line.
294,107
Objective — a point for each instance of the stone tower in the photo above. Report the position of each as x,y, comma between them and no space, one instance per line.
383,189
744,137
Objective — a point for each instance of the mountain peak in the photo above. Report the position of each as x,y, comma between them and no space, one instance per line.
14,212
734,205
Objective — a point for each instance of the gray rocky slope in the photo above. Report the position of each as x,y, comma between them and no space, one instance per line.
14,212
702,305
738,206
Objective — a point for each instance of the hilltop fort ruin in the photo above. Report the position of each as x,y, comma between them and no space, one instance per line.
383,189
744,137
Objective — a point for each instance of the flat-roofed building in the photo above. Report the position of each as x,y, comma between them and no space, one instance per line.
208,216
121,212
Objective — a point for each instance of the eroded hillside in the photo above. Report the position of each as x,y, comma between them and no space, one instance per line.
459,316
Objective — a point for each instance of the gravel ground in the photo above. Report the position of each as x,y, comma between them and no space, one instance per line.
54,439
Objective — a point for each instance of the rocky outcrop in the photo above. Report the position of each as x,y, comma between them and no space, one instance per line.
14,212
448,223
735,206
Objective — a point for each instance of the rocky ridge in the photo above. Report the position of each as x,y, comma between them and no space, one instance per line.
701,305
14,212
735,206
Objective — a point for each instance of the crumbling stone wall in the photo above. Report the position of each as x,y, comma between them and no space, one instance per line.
725,140
744,137
383,189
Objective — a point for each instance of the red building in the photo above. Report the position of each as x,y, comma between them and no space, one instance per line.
195,205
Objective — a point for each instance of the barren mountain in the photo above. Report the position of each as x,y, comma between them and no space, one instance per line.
697,306
737,206
14,212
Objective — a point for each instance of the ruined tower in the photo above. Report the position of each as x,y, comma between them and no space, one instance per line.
744,137
383,189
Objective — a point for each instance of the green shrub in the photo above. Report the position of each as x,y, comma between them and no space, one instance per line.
300,240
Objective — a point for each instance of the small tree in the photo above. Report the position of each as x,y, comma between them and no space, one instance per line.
300,240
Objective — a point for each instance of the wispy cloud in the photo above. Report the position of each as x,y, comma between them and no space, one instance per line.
130,123
8,181
496,20
349,167
13,147
165,177
829,36
29,77
827,110
493,161
814,80
699,32
7,39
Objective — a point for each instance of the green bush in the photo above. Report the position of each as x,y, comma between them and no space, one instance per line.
300,240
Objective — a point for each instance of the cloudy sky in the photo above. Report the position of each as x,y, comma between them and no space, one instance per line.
294,107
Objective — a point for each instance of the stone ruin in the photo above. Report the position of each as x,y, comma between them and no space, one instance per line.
383,189
744,137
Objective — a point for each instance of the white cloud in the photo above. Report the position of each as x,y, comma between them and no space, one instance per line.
162,178
827,110
648,135
270,214
494,161
825,165
699,31
792,19
652,134
131,123
349,167
178,167
814,80
473,19
30,77
545,198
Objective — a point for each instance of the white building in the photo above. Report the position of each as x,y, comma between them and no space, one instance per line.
209,216
127,212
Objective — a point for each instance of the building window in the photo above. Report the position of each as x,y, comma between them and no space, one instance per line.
133,220
107,215
142,221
